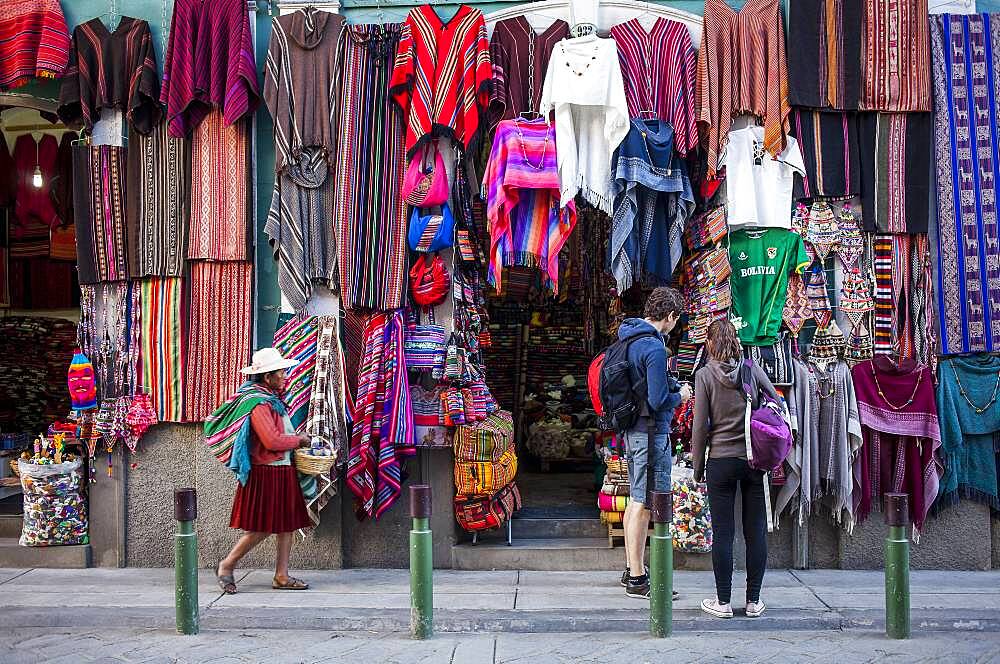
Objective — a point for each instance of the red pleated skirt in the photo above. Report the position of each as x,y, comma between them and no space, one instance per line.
270,502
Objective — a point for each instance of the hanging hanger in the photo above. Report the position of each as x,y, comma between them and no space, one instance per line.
379,12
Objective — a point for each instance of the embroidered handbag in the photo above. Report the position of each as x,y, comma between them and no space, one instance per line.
487,440
431,232
428,420
426,184
487,513
423,344
453,406
429,280
484,478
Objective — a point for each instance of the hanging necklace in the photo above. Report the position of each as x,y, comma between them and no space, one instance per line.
593,56
524,153
822,379
961,390
920,377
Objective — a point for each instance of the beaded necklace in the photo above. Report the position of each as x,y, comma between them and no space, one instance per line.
597,45
916,386
961,390
524,153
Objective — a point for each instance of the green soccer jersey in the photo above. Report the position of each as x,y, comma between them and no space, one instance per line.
762,260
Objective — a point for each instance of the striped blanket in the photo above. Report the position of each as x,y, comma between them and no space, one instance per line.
227,430
296,340
383,419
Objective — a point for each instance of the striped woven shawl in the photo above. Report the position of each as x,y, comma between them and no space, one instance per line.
227,430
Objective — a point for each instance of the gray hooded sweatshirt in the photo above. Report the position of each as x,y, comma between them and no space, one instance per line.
719,409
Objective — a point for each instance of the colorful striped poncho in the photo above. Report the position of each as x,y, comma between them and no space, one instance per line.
526,226
227,430
383,420
35,41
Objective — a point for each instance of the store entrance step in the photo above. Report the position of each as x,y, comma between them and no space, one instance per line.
553,528
554,554
10,525
15,556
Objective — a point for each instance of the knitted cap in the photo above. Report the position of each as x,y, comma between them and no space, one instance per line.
81,382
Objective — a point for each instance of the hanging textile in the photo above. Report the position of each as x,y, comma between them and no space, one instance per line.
759,186
371,212
383,422
826,69
302,57
742,69
526,225
441,76
326,418
801,465
921,312
158,202
102,243
901,436
895,56
218,346
296,340
36,41
301,63
966,55
838,428
652,202
61,187
896,173
584,86
209,64
162,339
299,227
520,59
33,206
659,70
884,305
970,422
111,70
831,153
219,190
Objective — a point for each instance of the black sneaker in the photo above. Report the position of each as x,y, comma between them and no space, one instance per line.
625,576
638,587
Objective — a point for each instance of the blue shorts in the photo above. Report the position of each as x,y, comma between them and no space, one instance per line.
645,462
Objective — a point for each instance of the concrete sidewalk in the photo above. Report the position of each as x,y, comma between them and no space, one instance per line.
515,601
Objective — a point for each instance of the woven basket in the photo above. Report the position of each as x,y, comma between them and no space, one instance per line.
617,465
307,464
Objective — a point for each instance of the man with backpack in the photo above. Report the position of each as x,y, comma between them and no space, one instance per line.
638,397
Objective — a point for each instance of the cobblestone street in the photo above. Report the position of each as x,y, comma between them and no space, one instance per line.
32,645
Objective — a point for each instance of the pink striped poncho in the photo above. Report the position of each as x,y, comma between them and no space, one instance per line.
526,226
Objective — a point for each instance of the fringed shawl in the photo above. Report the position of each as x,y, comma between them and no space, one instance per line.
383,420
969,440
584,85
652,201
527,226
898,453
840,437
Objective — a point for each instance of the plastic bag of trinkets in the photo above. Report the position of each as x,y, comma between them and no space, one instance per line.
55,512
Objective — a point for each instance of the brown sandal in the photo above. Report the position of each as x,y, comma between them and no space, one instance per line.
227,582
291,583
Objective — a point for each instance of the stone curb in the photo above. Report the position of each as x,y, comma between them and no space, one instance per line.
495,621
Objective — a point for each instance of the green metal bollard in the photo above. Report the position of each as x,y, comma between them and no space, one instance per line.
186,561
897,566
421,564
661,565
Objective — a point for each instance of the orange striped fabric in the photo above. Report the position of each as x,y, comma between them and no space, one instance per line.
742,70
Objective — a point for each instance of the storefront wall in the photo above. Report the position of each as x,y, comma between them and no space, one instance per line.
171,456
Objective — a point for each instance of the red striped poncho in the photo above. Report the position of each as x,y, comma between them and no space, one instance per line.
35,41
209,64
442,75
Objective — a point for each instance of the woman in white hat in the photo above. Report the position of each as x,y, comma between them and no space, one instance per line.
268,498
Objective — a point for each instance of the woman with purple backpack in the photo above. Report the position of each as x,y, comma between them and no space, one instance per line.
719,451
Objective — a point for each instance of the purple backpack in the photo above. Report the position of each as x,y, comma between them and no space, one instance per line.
768,436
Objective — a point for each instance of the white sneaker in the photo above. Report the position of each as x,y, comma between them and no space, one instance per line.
714,608
755,609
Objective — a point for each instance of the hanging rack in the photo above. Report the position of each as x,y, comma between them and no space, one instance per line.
34,127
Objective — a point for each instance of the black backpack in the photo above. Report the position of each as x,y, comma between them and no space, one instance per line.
623,402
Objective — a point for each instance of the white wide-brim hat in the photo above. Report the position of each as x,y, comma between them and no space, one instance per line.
267,360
